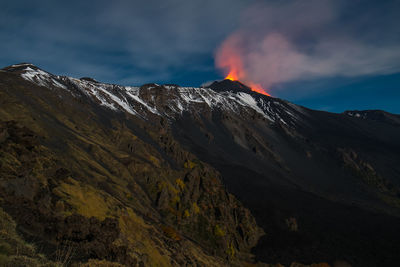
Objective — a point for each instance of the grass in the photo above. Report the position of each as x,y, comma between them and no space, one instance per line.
86,200
139,234
14,251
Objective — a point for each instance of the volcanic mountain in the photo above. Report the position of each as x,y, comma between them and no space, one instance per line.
162,175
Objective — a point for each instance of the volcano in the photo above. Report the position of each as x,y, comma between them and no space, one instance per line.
229,85
163,175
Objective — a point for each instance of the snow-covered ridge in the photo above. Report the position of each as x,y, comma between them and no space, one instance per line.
40,77
169,101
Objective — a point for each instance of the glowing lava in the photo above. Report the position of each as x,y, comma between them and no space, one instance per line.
232,76
258,88
229,58
253,86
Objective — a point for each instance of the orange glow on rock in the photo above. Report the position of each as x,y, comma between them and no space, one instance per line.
233,76
258,88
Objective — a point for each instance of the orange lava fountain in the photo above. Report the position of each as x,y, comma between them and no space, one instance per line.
228,58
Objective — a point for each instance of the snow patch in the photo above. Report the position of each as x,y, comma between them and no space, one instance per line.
137,99
175,101
40,77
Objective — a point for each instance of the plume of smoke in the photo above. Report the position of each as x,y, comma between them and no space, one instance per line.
300,40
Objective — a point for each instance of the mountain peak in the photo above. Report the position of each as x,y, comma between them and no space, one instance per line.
20,66
229,85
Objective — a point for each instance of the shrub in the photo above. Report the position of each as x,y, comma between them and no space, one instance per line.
218,231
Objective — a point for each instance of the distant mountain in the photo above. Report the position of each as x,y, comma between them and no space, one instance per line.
141,175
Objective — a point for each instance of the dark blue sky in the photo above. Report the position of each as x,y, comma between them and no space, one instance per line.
324,54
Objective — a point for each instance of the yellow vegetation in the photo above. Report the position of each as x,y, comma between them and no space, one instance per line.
86,200
196,208
154,160
171,232
218,231
189,164
138,233
231,251
175,199
180,184
186,214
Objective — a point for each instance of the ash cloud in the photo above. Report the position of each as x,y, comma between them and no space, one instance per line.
286,41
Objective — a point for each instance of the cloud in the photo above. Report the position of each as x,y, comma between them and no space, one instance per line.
123,40
174,41
286,41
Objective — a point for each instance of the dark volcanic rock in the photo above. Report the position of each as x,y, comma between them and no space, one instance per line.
88,79
228,85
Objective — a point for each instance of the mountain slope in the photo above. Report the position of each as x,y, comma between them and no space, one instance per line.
323,186
336,176
109,185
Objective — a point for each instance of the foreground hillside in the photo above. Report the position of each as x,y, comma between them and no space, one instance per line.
156,176
83,182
